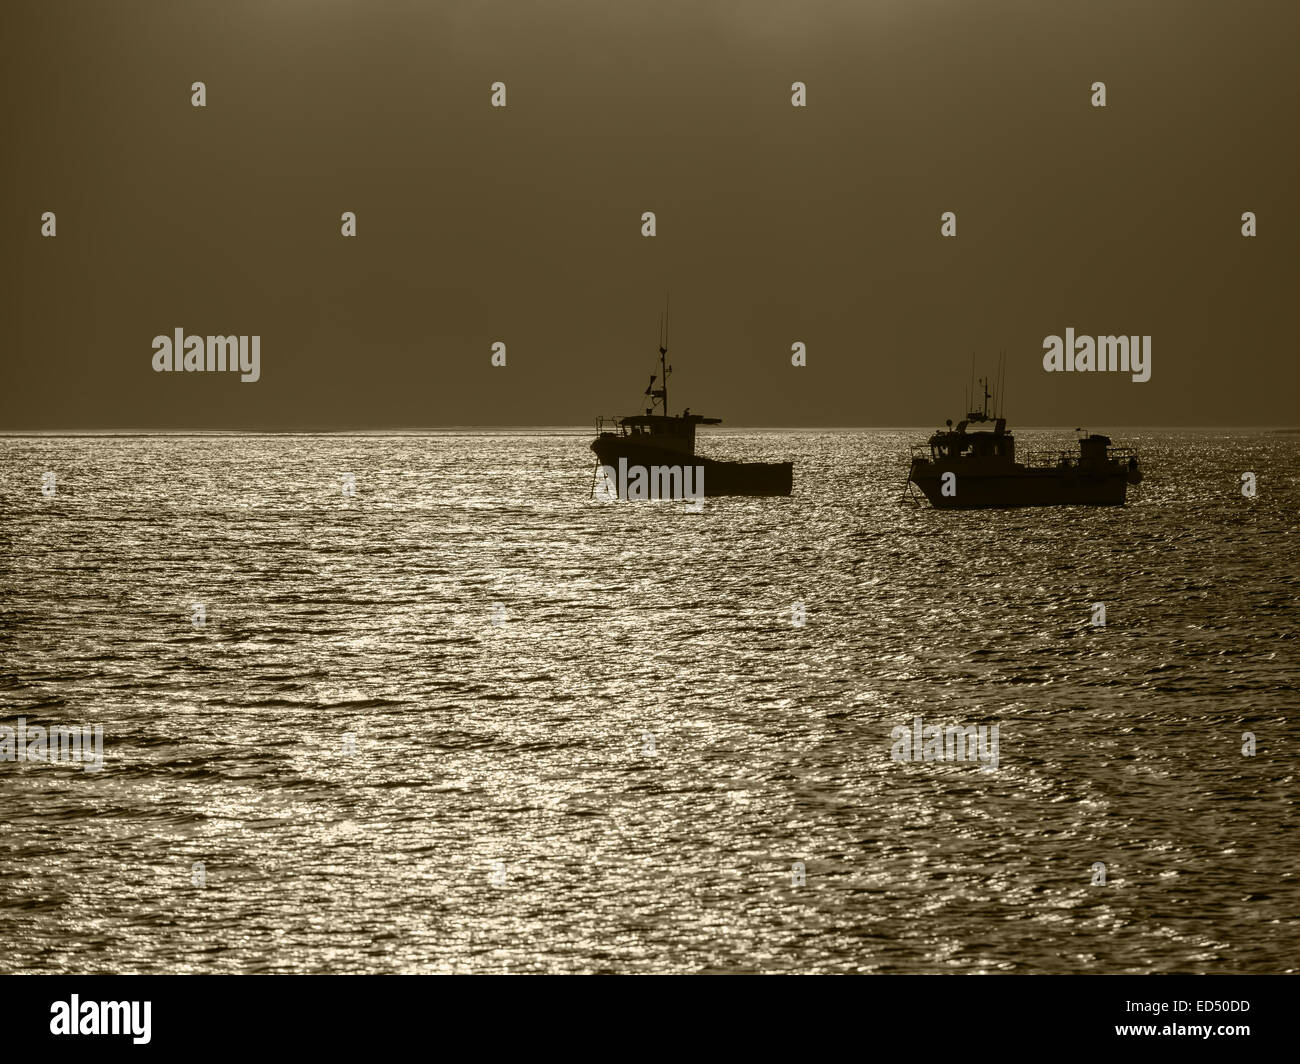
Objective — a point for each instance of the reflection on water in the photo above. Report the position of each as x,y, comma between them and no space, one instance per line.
588,736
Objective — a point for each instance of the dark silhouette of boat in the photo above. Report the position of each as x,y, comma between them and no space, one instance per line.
964,469
659,441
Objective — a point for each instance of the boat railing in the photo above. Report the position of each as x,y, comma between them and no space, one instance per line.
1069,459
1048,459
611,425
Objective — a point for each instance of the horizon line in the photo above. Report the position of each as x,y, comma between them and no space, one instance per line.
569,428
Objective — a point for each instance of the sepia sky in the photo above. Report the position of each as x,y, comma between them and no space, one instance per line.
776,224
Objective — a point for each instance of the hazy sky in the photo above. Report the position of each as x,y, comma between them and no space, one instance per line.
776,224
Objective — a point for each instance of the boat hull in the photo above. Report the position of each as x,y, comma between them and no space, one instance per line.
1023,487
720,478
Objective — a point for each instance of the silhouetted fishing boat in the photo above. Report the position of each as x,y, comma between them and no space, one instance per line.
662,444
961,469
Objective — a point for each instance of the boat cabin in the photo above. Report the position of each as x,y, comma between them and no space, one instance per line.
958,443
675,434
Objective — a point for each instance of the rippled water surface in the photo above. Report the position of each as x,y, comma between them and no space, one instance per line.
589,738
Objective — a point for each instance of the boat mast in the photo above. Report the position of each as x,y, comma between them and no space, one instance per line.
660,394
1001,409
663,354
